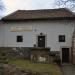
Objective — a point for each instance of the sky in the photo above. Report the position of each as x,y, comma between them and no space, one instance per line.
13,5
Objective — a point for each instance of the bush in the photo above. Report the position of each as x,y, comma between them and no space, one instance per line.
57,60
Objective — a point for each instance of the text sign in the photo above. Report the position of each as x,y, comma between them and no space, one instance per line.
21,28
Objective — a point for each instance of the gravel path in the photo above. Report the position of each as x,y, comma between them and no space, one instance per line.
68,69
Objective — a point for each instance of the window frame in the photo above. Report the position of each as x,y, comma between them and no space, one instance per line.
19,38
61,38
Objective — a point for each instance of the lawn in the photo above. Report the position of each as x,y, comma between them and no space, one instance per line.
53,69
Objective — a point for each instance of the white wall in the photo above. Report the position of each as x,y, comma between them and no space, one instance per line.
51,28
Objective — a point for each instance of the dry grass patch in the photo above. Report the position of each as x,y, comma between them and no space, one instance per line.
53,69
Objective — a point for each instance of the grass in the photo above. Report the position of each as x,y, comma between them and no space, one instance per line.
36,67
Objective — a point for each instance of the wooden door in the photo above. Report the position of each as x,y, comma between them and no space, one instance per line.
65,55
41,41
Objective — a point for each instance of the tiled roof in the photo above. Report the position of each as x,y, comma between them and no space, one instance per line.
40,14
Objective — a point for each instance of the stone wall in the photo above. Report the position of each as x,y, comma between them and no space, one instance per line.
15,52
27,53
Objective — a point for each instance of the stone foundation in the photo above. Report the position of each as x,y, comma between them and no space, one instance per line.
34,54
15,52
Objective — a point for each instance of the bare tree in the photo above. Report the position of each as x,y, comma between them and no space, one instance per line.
66,3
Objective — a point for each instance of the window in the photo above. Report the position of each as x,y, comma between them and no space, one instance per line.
61,38
19,38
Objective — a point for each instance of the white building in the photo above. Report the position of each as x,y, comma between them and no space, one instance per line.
44,28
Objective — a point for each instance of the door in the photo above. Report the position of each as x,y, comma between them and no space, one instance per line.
65,55
41,41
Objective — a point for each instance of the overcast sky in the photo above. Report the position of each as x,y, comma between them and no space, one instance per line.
12,5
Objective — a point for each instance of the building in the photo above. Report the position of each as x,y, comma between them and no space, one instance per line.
52,28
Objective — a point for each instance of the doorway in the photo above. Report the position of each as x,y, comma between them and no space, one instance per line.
41,41
65,55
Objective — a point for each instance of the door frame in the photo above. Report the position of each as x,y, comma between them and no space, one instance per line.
41,35
70,53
